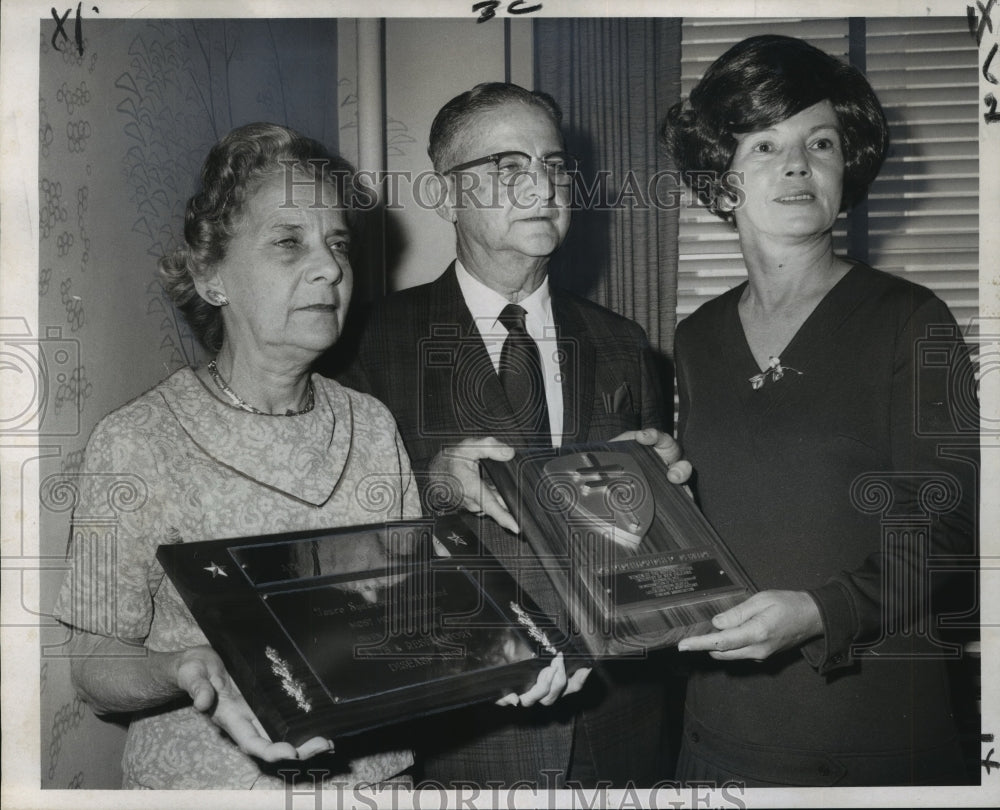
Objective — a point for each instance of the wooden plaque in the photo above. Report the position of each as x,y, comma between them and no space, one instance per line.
329,633
636,563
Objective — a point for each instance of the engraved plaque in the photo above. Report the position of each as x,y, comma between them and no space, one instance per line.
637,564
329,633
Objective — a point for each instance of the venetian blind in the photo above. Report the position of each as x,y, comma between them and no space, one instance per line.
923,220
922,215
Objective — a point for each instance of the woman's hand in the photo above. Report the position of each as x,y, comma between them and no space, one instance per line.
115,677
458,467
766,623
679,469
200,672
551,684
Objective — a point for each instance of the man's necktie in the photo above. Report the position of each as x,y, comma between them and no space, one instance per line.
522,381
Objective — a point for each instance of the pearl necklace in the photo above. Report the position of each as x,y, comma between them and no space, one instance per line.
237,401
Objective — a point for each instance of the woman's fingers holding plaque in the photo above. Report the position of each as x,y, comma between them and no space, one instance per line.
234,716
317,745
766,623
240,724
201,673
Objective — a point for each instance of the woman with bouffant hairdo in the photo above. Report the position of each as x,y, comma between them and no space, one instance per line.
804,412
764,80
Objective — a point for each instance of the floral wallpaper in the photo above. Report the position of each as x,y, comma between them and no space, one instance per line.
127,113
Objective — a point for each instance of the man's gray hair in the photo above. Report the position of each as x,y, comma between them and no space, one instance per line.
453,116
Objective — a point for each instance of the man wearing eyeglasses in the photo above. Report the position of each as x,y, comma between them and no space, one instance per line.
490,358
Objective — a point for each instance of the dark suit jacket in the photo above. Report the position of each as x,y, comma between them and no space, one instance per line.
423,357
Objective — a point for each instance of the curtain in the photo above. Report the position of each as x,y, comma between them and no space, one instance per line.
615,80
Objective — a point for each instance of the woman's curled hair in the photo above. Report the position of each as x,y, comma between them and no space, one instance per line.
758,83
232,172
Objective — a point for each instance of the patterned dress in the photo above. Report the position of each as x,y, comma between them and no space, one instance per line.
177,465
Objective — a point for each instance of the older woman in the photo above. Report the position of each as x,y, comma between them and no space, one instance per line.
800,397
249,443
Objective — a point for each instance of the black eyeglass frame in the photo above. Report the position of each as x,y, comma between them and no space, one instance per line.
573,165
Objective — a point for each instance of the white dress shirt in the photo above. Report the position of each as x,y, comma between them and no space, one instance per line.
486,305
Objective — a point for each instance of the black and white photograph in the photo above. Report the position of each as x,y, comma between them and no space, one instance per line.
290,291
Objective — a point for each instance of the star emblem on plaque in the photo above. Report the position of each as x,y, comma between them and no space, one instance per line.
216,570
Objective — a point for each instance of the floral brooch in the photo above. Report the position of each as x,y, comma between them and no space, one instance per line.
775,371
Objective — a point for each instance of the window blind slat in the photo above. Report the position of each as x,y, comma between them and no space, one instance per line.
959,167
902,242
950,95
928,62
954,39
951,74
886,194
878,27
928,150
929,115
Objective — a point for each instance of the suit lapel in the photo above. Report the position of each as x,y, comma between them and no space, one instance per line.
479,403
578,367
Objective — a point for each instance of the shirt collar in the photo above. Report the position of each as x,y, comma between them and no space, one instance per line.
486,304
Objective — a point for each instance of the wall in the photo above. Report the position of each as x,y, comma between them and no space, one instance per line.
429,62
122,132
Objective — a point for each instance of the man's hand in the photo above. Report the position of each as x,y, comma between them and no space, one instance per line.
766,623
201,673
666,448
551,684
458,466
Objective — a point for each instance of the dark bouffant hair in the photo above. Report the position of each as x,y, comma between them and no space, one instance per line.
453,116
233,171
760,82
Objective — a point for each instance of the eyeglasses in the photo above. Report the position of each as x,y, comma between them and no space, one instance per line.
513,167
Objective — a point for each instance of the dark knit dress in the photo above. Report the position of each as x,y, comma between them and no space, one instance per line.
848,480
